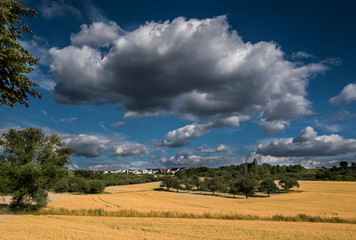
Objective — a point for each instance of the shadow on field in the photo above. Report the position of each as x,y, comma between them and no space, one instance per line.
221,195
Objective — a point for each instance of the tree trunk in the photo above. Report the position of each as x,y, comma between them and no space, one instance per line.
246,196
19,200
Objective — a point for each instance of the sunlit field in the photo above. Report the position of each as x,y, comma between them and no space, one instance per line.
69,227
323,199
327,199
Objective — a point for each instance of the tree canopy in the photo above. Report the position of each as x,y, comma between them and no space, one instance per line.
30,163
287,183
268,186
15,61
247,186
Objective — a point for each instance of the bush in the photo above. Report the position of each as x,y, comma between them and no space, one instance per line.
61,186
80,185
96,186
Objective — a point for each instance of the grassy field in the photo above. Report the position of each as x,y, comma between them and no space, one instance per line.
323,199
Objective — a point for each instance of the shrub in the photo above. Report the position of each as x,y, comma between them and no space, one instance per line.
96,186
61,186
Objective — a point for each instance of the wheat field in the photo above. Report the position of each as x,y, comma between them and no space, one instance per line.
69,227
325,199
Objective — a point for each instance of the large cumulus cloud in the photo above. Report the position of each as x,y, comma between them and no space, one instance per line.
198,69
308,144
93,146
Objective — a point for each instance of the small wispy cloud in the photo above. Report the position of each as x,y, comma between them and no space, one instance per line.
68,119
300,54
52,9
117,124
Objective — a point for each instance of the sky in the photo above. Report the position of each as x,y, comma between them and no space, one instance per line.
162,84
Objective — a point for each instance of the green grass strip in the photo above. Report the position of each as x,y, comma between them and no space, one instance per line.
170,214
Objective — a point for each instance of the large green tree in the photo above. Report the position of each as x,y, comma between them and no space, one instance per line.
214,184
15,61
247,186
30,163
287,183
268,185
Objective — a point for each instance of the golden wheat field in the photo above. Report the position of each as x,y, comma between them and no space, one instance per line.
70,227
328,199
325,199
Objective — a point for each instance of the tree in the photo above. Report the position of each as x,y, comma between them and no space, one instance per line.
343,164
30,163
196,181
287,183
247,186
268,185
79,185
214,184
15,61
188,184
234,189
255,167
175,183
61,186
167,182
96,186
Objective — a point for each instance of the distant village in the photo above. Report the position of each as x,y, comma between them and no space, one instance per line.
141,172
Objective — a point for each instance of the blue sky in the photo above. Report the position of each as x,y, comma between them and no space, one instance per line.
138,84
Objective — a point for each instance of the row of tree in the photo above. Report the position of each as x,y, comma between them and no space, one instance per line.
246,186
84,182
345,172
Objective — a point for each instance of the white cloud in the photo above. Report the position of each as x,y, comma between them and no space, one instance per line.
129,149
68,119
196,68
233,121
347,95
308,144
316,164
85,145
272,159
141,164
181,136
219,149
117,124
97,34
186,158
92,146
104,167
302,55
270,127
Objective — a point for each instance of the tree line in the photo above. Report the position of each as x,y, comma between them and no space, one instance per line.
344,172
229,182
84,182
